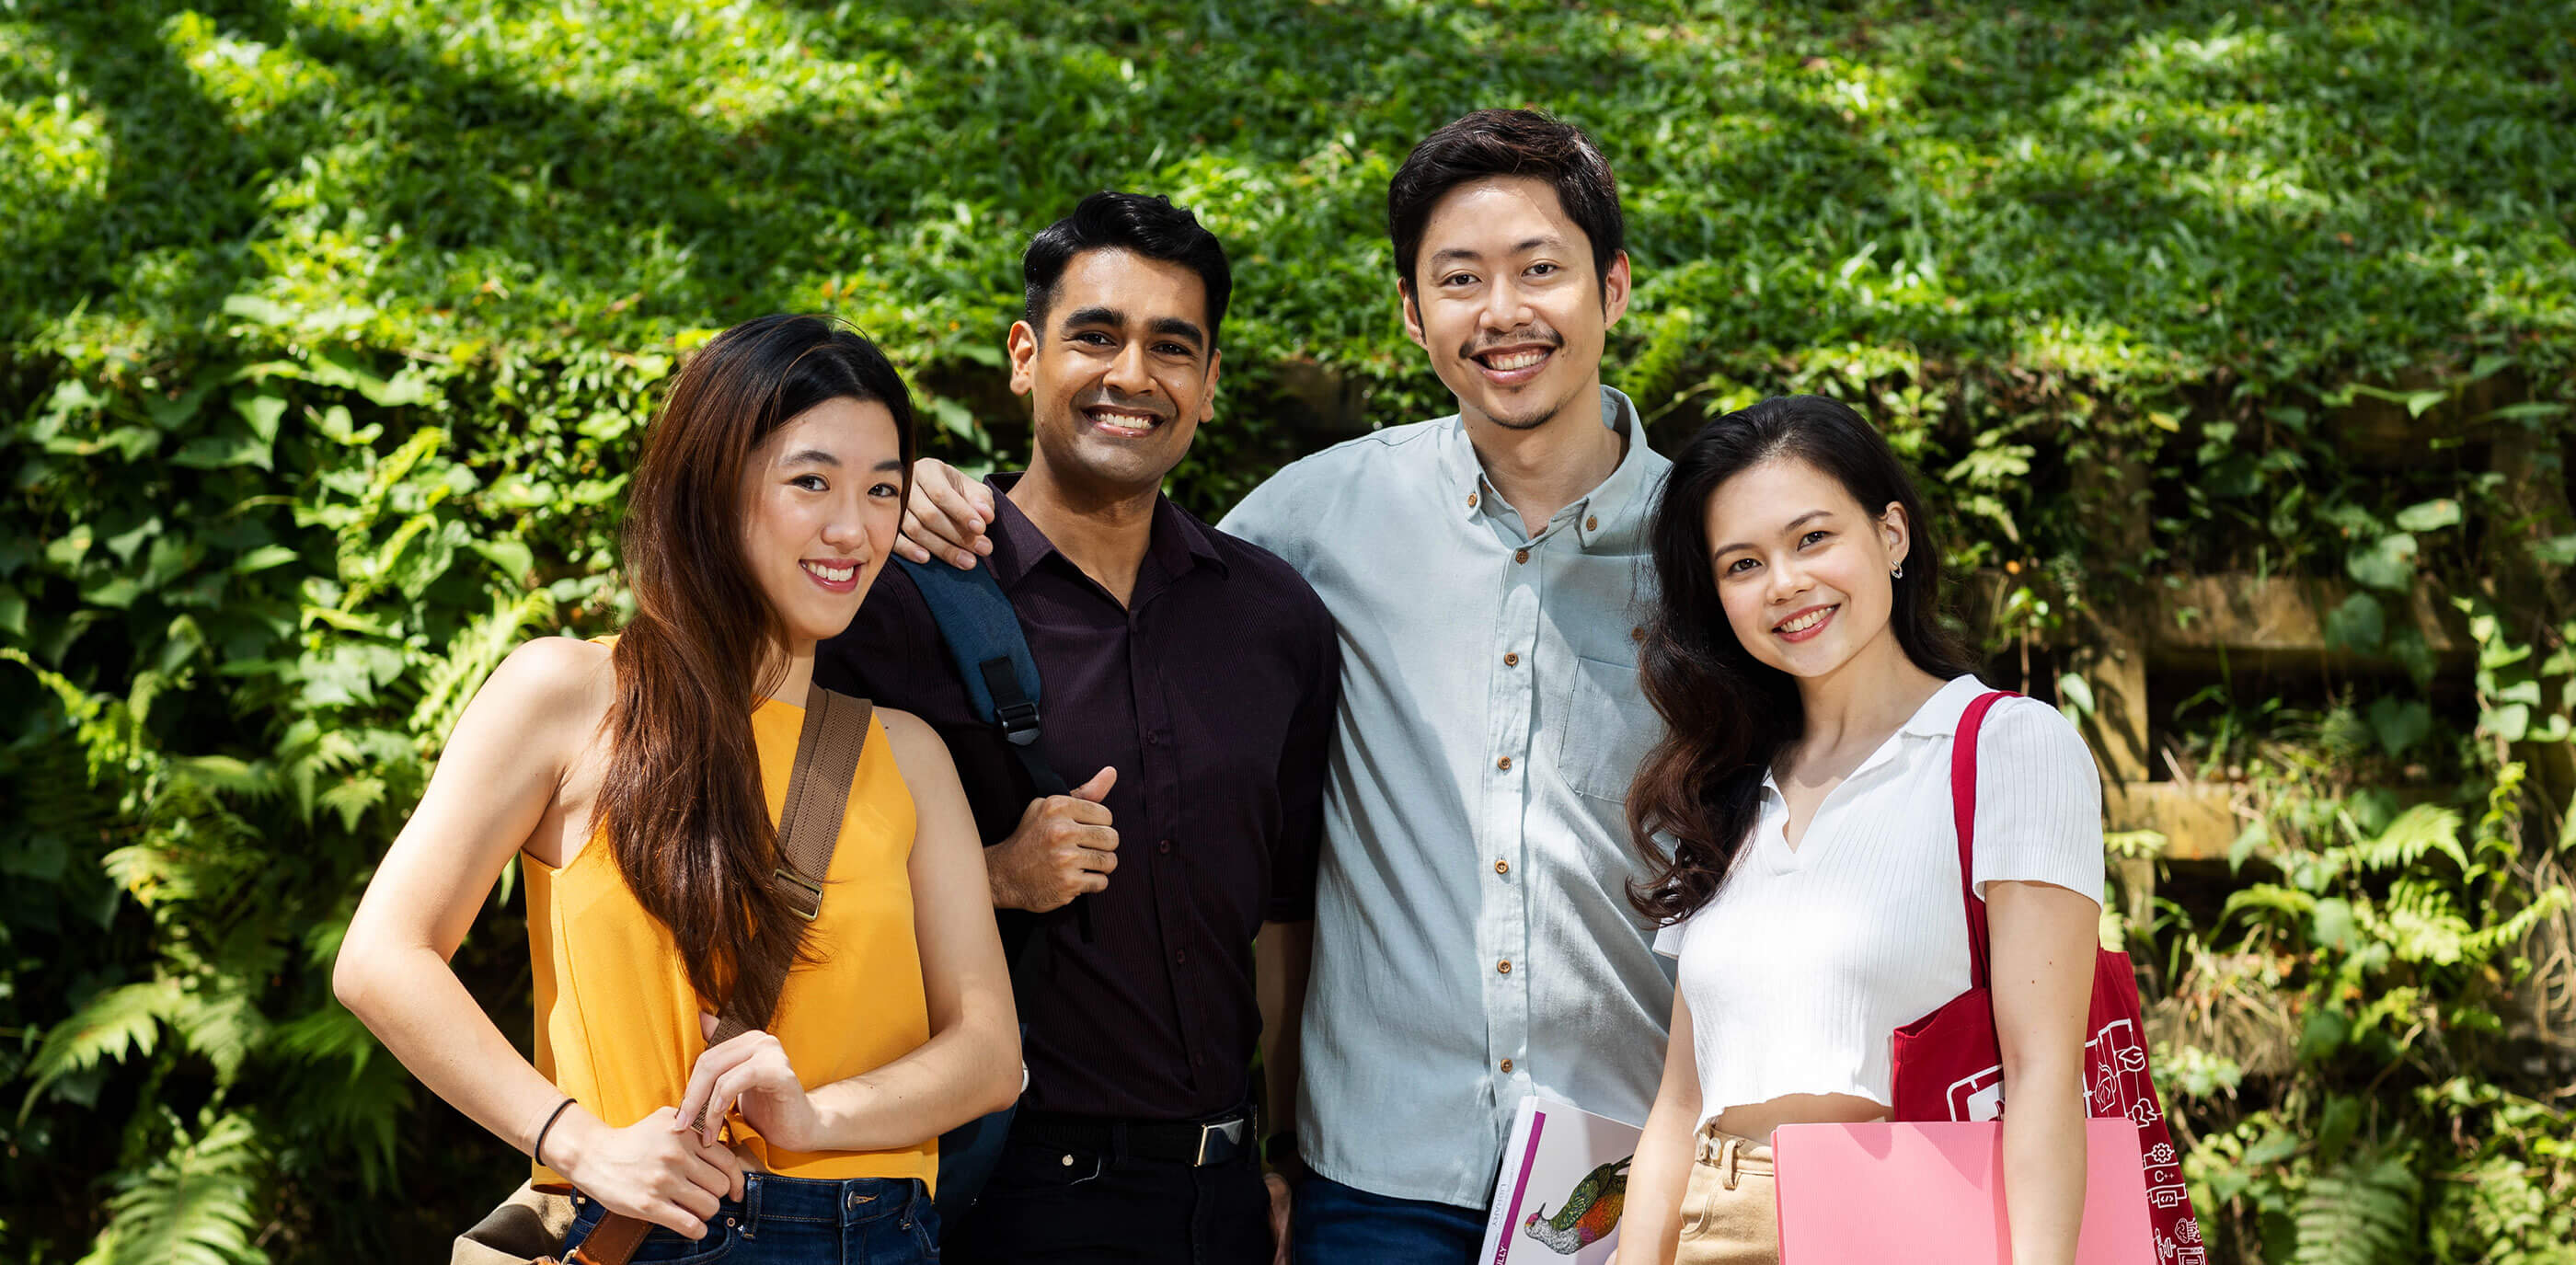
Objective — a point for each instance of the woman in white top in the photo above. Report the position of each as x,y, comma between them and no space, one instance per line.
1811,892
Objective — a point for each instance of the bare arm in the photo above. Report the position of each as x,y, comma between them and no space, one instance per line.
499,777
1651,1224
2044,942
969,1067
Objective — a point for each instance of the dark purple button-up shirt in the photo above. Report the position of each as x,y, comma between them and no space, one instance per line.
1212,693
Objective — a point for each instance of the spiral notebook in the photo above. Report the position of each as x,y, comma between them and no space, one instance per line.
1563,1185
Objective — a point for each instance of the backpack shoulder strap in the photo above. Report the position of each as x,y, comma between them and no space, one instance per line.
1963,811
809,826
984,639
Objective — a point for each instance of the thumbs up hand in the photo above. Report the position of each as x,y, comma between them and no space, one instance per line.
1064,846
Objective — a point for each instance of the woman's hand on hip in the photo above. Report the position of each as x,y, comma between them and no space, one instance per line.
648,1170
750,1073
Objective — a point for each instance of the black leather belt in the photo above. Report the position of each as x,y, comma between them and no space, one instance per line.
1198,1144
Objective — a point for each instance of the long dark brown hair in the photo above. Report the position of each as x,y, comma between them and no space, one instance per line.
681,801
1727,715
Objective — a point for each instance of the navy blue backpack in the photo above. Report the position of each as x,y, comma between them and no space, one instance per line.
992,656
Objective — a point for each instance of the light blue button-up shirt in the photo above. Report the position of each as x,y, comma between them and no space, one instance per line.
1473,938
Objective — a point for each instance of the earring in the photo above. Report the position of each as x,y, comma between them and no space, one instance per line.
1896,572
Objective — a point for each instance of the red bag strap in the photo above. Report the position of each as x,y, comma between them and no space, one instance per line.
1963,811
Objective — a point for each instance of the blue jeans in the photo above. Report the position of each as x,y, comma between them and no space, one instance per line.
795,1221
1336,1224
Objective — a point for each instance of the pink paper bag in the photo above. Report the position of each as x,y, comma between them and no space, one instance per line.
1933,1194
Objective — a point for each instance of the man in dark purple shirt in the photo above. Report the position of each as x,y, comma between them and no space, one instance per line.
1188,683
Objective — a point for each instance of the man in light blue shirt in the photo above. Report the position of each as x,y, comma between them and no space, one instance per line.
1487,573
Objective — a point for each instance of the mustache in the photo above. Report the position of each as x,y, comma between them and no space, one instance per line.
1105,397
1536,333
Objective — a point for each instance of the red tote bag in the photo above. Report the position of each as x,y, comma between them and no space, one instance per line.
1949,1064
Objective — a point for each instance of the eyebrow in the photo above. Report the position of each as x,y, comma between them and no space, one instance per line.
1468,256
1792,525
818,457
1167,326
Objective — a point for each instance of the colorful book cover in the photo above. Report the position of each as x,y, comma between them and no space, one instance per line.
1564,1182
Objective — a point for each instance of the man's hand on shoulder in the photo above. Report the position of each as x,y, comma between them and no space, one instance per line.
947,514
1064,847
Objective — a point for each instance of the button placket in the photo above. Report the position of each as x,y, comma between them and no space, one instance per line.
1503,918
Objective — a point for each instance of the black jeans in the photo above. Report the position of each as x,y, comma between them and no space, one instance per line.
1048,1204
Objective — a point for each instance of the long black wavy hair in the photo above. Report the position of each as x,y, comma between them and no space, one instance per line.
1727,715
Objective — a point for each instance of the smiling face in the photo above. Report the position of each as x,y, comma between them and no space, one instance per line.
1123,373
1802,569
821,497
1505,302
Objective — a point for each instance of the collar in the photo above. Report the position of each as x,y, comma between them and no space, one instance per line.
1611,507
1177,543
1938,717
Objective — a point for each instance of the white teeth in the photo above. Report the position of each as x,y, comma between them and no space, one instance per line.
832,575
1517,360
1806,621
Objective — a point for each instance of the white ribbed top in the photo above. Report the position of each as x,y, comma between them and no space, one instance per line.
1806,962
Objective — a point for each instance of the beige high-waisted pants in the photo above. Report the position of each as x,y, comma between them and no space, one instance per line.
1730,1211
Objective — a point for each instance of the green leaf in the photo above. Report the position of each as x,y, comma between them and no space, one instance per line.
2557,551
512,558
260,409
217,452
2389,563
2323,1034
252,307
2430,515
2400,723
2078,695
2334,926
2356,624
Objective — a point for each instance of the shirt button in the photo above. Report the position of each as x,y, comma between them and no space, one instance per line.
1504,967
1502,867
1520,555
1511,660
1165,847
1637,634
1181,955
1591,523
1505,764
1471,500
1507,1067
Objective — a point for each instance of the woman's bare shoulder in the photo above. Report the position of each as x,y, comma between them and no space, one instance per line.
550,686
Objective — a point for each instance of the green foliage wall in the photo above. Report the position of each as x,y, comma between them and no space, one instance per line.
327,330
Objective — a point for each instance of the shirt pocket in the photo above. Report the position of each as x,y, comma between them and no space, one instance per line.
1608,729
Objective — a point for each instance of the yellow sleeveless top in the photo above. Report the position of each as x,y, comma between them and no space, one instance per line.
617,1021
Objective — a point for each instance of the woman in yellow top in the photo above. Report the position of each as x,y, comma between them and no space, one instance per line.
639,780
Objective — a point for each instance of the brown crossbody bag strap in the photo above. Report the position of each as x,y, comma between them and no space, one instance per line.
809,828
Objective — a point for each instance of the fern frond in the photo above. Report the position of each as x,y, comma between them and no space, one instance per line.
196,1205
2270,896
223,1027
2360,1212
2419,830
453,678
2421,923
111,1026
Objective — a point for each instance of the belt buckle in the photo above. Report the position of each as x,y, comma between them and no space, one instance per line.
1231,1131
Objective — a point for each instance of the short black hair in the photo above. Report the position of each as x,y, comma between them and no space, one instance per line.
1490,143
1151,227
